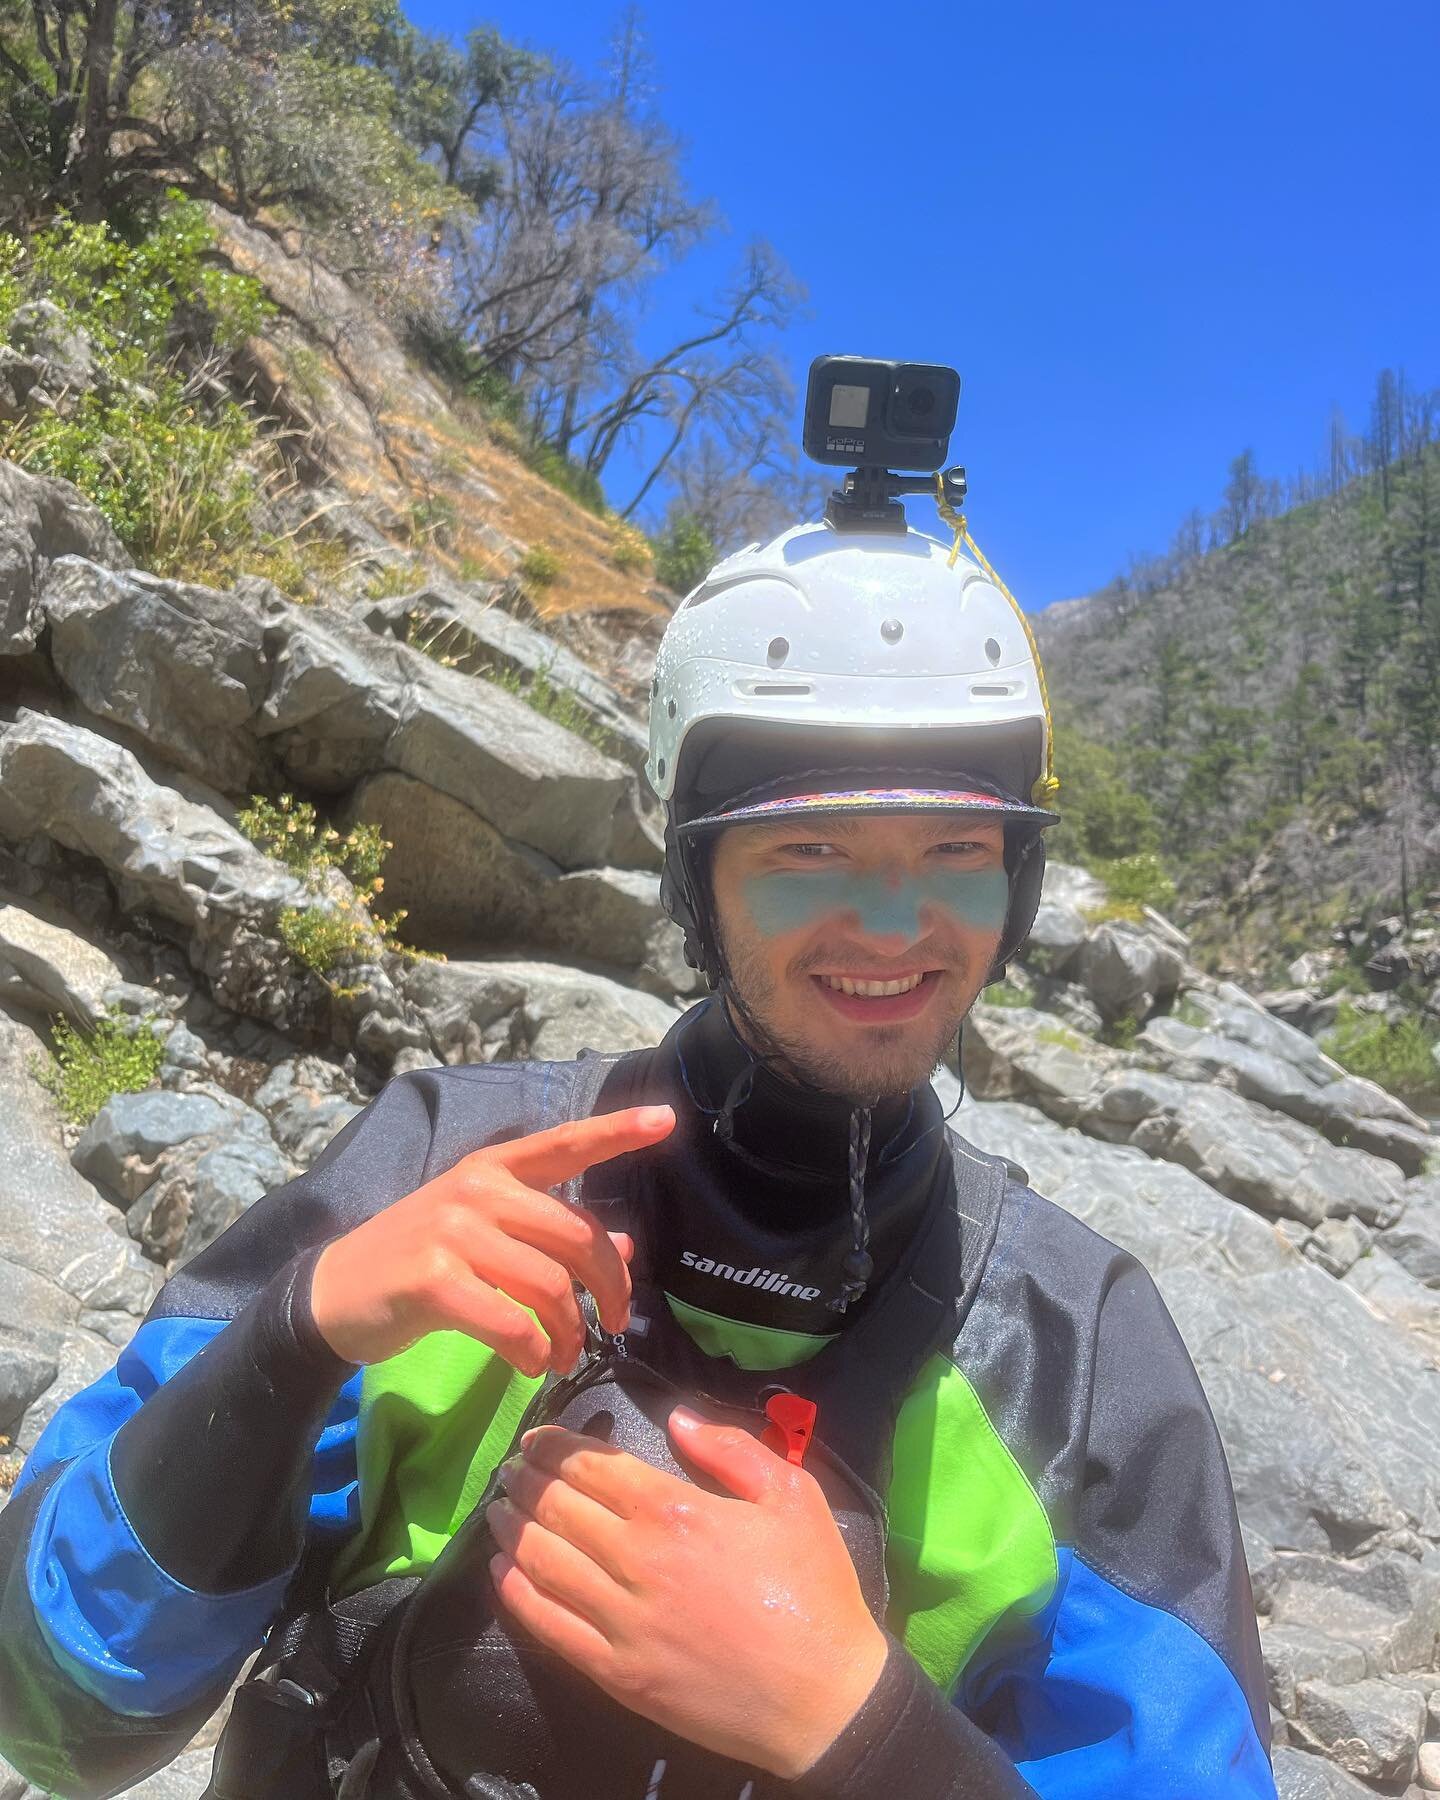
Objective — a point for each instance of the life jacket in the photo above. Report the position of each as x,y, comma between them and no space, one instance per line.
420,1689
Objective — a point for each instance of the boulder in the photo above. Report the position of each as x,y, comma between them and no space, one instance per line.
84,1357
63,1251
1387,1605
1414,1241
1328,1414
1056,938
1391,1292
1301,1775
1070,885
458,878
1369,1727
183,667
1262,1159
49,965
165,854
42,519
120,1149
481,1011
306,1100
476,636
199,1190
1126,970
1296,1653
1337,1245
1262,1058
345,703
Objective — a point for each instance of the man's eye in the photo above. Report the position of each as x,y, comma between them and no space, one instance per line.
810,851
963,847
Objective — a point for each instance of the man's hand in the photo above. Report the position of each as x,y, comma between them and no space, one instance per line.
737,1623
472,1249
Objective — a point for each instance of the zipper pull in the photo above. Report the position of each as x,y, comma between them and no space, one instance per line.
791,1427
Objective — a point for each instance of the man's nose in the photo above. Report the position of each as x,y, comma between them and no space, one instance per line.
890,910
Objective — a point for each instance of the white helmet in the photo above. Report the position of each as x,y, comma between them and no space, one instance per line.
827,650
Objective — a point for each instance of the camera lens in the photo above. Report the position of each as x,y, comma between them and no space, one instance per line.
921,403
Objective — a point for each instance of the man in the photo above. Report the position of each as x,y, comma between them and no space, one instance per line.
325,1405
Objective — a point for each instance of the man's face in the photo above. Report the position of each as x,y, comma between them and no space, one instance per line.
859,944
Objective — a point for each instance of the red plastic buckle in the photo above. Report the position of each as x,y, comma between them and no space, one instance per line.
791,1427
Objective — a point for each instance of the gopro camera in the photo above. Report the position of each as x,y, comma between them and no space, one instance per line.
880,415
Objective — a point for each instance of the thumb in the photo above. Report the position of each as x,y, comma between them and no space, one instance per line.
738,1461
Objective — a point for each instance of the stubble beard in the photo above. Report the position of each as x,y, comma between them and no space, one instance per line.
891,1059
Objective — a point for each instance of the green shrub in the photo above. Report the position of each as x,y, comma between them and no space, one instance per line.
171,478
1005,993
1061,1035
329,932
289,830
684,553
1398,1053
540,566
582,487
1132,883
321,936
554,702
169,465
118,1057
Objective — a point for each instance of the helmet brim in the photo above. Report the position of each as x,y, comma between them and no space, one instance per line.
854,802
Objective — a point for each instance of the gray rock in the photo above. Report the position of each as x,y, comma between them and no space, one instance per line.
1056,938
479,637
197,1194
1270,1062
84,1357
457,877
1414,1241
1299,1775
306,1101
166,854
1126,970
185,1054
344,703
1296,1653
1262,1159
33,1316
477,1011
182,666
1337,1245
1386,1605
41,519
47,964
1392,1293
120,1148
1069,885
53,1222
1369,1727
1328,1414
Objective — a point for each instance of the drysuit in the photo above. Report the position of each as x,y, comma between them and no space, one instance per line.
1068,1603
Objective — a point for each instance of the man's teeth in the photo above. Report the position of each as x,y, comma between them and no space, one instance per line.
872,990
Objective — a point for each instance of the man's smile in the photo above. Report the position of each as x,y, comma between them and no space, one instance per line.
883,1002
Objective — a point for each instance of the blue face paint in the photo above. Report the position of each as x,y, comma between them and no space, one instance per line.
787,899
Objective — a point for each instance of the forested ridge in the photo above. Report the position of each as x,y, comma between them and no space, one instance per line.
1262,706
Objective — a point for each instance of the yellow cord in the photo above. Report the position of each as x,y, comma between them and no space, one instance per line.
1048,786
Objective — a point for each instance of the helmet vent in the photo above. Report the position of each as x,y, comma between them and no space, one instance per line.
777,688
991,690
992,650
778,650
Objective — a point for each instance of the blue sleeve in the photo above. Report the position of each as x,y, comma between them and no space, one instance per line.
1106,1694
115,1620
156,1528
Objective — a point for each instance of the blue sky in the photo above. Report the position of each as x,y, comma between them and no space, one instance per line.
1148,235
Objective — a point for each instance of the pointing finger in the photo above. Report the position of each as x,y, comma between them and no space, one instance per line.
547,1158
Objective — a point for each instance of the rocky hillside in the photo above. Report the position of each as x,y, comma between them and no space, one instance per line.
1275,704
252,1001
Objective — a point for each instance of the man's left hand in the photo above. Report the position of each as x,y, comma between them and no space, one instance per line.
735,1620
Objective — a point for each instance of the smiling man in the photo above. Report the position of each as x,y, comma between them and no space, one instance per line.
708,1422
